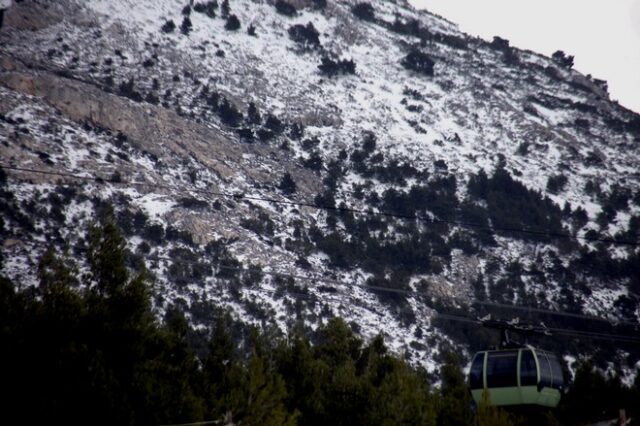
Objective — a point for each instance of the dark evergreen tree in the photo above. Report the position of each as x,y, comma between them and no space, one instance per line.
169,26
285,8
225,9
364,11
253,115
314,162
562,59
592,397
186,25
223,374
229,114
341,66
127,89
455,408
556,183
208,8
274,124
320,4
287,184
419,62
232,24
265,395
297,131
500,43
305,35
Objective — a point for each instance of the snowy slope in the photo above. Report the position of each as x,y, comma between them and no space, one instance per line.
532,116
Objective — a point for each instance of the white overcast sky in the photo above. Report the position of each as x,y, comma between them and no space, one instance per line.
603,35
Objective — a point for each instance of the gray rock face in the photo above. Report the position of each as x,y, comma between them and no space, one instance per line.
29,15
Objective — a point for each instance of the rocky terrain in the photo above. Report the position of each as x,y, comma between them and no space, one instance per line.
292,161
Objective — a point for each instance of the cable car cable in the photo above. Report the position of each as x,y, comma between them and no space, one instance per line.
563,331
569,332
241,196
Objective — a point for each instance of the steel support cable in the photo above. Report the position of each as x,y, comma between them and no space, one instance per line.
562,331
242,196
342,284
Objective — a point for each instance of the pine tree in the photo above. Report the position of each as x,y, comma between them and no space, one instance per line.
232,24
171,379
399,395
304,378
253,115
287,184
223,375
168,27
106,255
225,9
120,314
456,402
186,25
265,396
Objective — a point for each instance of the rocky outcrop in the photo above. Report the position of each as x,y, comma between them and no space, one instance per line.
151,128
30,15
148,127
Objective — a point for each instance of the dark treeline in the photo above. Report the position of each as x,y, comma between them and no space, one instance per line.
85,348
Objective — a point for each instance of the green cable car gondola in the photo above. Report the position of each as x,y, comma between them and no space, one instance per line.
524,376
516,374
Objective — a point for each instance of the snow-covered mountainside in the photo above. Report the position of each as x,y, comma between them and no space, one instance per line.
447,167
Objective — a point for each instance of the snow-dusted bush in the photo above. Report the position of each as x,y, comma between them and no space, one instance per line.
127,89
253,115
562,59
319,4
207,8
233,23
287,185
364,11
186,25
305,35
341,66
168,27
419,62
274,124
500,43
229,114
557,183
285,8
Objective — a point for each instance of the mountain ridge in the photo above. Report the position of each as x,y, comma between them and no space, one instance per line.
169,108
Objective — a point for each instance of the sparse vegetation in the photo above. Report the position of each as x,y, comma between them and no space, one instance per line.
285,8
225,9
305,35
127,89
186,26
287,185
332,68
556,183
168,27
232,24
320,4
419,62
500,43
228,113
364,11
562,59
208,8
